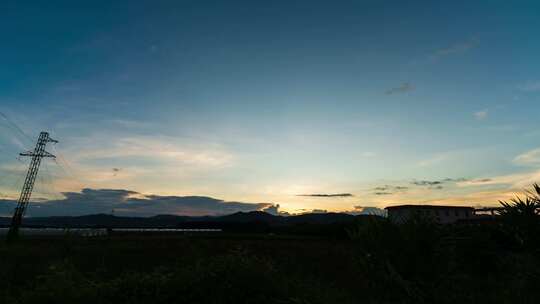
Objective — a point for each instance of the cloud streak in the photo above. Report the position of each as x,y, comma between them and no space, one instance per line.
515,181
531,157
403,88
533,86
481,115
457,48
163,148
327,195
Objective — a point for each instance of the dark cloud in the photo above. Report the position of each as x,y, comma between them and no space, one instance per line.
484,180
437,184
426,183
430,184
389,189
455,180
403,88
130,203
328,195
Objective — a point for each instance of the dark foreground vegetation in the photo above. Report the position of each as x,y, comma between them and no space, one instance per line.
379,262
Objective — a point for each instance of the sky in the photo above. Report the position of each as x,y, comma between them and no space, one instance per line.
312,105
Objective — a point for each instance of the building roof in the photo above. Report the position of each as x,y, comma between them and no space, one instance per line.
428,207
489,209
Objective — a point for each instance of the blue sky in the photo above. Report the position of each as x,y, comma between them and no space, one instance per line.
260,101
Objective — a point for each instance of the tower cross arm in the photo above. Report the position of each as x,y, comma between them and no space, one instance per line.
42,154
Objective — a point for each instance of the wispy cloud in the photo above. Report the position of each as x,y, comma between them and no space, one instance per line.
327,195
473,182
457,48
158,148
481,115
513,181
531,157
451,156
531,86
479,198
155,164
403,88
434,160
368,154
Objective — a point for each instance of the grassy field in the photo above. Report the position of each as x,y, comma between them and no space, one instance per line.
379,263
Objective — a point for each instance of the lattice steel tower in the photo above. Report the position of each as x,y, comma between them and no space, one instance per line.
37,155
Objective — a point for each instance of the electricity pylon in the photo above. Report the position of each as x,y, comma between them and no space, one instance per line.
37,155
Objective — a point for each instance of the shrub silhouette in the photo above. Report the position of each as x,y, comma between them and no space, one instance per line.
420,261
398,256
236,277
521,219
417,261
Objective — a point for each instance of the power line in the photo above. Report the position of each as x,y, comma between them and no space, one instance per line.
13,171
64,165
15,126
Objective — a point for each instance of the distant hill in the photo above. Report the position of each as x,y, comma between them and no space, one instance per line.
173,221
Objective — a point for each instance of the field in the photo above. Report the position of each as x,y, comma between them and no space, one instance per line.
375,264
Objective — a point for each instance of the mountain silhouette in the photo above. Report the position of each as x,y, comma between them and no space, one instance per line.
175,221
